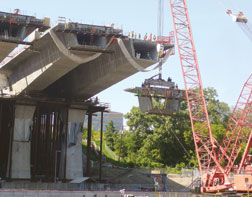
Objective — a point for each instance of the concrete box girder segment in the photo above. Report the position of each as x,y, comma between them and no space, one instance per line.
14,28
24,20
58,65
91,78
45,61
6,48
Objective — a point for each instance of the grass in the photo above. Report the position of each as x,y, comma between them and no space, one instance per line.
110,155
93,155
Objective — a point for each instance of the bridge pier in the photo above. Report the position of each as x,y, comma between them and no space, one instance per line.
21,144
74,168
41,141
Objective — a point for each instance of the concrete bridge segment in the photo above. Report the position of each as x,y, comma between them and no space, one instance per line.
57,64
14,28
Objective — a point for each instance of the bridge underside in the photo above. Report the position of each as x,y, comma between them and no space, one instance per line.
45,84
58,65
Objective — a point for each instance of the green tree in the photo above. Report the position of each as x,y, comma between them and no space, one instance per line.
158,141
128,147
85,133
219,112
110,127
110,135
156,138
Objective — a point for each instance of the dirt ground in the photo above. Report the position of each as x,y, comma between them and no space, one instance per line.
175,182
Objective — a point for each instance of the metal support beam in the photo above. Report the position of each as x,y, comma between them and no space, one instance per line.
89,143
11,142
49,136
100,158
6,127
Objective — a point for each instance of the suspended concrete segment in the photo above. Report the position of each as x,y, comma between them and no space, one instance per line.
14,28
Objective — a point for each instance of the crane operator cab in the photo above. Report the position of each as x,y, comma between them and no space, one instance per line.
158,96
240,18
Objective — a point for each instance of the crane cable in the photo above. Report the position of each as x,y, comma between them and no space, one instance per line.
228,5
246,28
181,144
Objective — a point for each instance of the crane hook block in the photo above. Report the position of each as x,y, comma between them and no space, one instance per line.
240,18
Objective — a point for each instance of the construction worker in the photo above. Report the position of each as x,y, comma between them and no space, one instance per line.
148,56
132,34
96,100
138,55
150,38
160,54
145,36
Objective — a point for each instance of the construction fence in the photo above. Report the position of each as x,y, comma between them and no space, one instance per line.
101,194
171,189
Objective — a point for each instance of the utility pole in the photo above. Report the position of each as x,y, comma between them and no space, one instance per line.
120,145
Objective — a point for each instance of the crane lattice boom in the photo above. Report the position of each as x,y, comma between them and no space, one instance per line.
203,139
236,132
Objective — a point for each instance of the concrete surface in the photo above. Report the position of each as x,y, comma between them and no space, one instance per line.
6,48
90,78
18,193
74,168
42,64
57,65
21,142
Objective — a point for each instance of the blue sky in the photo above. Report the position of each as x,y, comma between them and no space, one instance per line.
223,50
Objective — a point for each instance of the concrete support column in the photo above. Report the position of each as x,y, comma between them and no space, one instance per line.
74,165
20,168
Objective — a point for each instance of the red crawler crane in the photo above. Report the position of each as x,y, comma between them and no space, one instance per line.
214,176
235,134
242,182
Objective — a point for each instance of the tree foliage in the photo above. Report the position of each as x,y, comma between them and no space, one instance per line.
110,135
